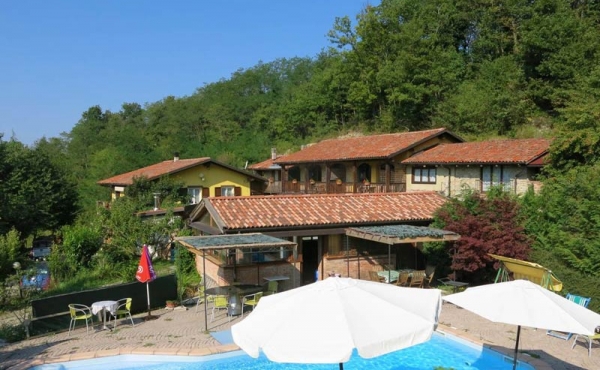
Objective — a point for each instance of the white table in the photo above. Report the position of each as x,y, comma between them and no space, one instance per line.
103,306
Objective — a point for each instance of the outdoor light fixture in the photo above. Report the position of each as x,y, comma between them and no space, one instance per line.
202,178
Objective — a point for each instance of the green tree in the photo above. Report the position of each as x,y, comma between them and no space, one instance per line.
10,248
80,242
565,218
35,194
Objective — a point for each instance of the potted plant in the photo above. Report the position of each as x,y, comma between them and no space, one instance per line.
338,181
171,304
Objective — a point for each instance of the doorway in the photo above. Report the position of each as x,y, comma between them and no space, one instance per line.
310,259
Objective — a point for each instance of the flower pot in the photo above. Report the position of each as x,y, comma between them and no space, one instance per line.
171,304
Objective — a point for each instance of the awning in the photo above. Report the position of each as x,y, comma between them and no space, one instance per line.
203,243
531,271
230,241
398,234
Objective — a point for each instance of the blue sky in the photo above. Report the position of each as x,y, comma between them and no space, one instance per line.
58,58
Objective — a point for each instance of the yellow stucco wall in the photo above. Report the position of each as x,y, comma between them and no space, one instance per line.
452,180
214,176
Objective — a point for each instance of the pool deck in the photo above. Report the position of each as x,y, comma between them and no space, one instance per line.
181,332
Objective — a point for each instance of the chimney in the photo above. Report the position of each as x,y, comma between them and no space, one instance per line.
156,201
175,156
273,153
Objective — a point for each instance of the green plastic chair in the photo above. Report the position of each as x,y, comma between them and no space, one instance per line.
123,309
251,300
272,287
589,339
80,312
220,302
200,300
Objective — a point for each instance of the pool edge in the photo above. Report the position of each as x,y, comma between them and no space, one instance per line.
538,364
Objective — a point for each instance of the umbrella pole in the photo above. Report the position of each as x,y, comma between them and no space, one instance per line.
204,282
149,317
517,347
341,366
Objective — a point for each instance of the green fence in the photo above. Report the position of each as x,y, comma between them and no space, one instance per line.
51,313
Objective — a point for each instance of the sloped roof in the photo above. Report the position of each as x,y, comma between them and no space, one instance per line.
362,147
397,234
292,211
157,170
265,165
517,151
254,240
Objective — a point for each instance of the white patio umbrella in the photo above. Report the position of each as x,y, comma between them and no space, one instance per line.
523,303
324,321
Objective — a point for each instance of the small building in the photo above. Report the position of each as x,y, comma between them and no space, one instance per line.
450,168
202,177
317,224
355,164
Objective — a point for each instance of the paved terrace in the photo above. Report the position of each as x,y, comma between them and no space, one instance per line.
181,332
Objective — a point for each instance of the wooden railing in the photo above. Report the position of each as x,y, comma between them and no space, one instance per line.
338,188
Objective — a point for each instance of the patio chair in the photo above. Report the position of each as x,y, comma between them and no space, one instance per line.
589,339
123,309
272,287
200,300
403,278
417,279
219,303
251,300
80,312
582,301
373,276
429,274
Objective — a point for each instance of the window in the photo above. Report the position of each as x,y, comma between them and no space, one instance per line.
194,195
493,176
227,191
424,175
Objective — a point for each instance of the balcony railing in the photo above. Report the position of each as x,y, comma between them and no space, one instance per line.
334,188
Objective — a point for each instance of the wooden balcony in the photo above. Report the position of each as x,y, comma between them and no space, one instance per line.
337,188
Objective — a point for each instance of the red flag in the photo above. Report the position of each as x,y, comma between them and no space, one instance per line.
145,272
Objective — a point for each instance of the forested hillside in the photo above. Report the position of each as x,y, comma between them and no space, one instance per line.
481,68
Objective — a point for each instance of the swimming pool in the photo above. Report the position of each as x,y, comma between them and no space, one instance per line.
441,351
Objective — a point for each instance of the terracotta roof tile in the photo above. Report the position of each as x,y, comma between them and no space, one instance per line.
362,147
518,151
157,170
154,171
264,165
281,211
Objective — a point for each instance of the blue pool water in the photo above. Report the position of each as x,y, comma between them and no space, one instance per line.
446,351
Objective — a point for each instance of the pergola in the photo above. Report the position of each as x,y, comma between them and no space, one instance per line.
399,234
200,244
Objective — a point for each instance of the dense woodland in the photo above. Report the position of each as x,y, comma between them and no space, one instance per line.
481,68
